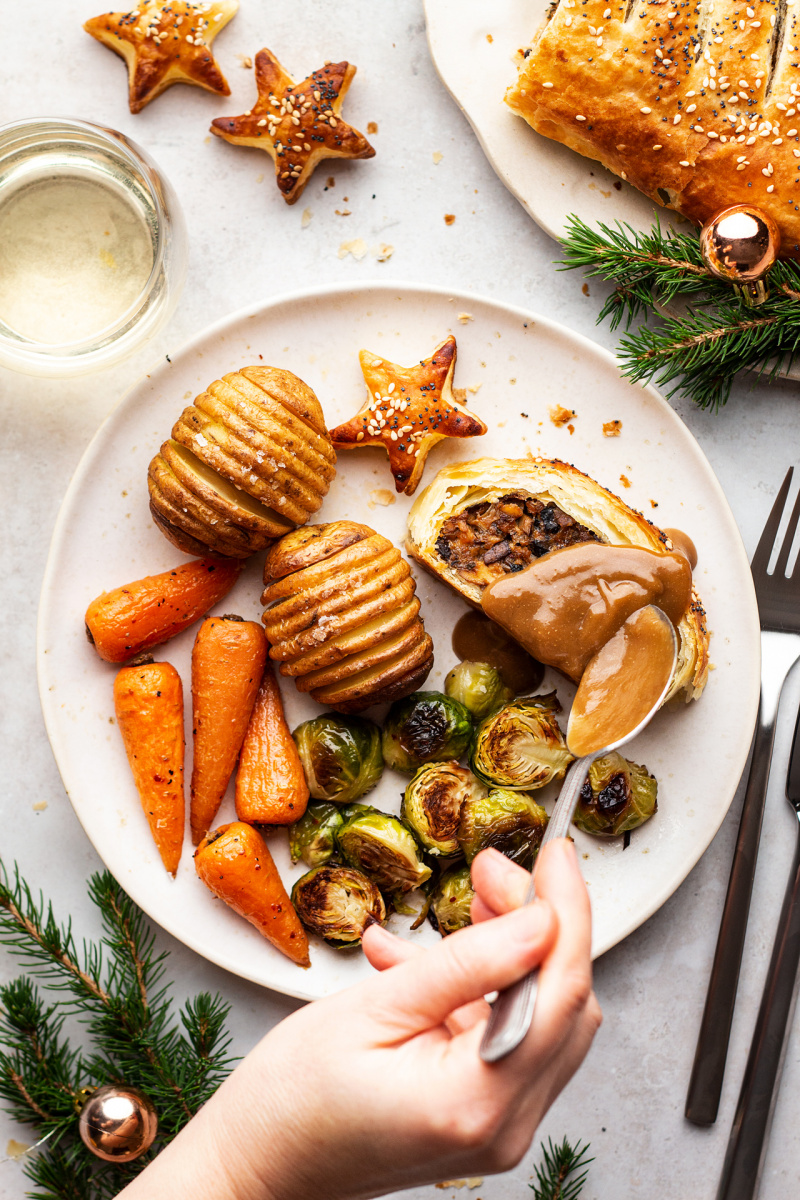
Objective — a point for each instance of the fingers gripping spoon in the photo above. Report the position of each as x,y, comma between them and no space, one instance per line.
622,688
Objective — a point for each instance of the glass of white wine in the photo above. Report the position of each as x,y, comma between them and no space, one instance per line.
93,247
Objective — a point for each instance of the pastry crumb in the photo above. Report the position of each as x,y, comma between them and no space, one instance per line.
464,317
381,496
513,380
475,389
585,290
343,212
571,429
489,38
437,157
372,127
384,252
357,247
449,218
40,806
654,504
330,182
560,415
612,428
625,481
15,1149
305,220
246,61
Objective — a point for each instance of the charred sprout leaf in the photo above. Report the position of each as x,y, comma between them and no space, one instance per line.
383,848
432,805
510,821
335,902
313,837
452,897
478,687
425,727
521,746
618,796
341,756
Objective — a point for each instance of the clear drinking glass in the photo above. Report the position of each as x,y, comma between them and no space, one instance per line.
93,247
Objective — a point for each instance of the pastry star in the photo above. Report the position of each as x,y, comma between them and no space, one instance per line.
408,410
166,43
298,124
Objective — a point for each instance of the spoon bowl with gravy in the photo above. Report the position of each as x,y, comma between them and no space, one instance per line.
621,689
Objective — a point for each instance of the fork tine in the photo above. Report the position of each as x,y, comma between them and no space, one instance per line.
788,538
767,540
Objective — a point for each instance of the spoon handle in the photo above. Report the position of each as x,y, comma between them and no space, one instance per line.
512,1011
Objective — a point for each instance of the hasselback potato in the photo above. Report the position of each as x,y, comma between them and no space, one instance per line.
248,461
342,618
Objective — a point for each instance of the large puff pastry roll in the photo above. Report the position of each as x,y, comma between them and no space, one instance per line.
537,505
342,618
247,462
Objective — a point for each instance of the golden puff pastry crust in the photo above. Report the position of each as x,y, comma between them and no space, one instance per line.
342,618
247,462
407,411
165,43
586,508
695,104
297,124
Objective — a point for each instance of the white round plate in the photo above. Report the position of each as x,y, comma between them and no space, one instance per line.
517,365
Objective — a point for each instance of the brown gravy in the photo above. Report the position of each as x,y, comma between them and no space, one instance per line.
622,683
564,607
683,544
477,639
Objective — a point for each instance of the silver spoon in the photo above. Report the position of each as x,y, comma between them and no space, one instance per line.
512,1011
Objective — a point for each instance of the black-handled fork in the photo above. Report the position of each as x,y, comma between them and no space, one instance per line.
744,1158
779,611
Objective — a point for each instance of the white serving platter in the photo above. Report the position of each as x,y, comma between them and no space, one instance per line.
521,364
473,46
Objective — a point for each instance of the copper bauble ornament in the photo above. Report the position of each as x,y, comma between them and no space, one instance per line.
740,245
118,1123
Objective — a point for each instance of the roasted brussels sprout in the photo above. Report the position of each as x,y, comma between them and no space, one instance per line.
450,903
313,837
335,902
521,746
478,687
382,847
618,795
341,756
432,805
510,821
425,727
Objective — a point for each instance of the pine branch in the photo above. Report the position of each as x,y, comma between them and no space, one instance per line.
118,991
698,353
563,1172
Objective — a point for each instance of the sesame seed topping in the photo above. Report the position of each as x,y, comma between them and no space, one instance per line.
547,85
684,163
579,118
771,187
645,110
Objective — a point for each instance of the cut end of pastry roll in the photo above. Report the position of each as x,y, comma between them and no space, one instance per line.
248,461
342,617
546,505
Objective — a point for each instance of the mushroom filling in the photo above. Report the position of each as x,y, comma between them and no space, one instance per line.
497,537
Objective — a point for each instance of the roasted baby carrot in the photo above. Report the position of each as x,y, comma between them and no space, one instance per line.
148,701
236,865
271,785
132,619
227,664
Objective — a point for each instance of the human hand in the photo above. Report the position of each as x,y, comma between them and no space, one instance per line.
381,1087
